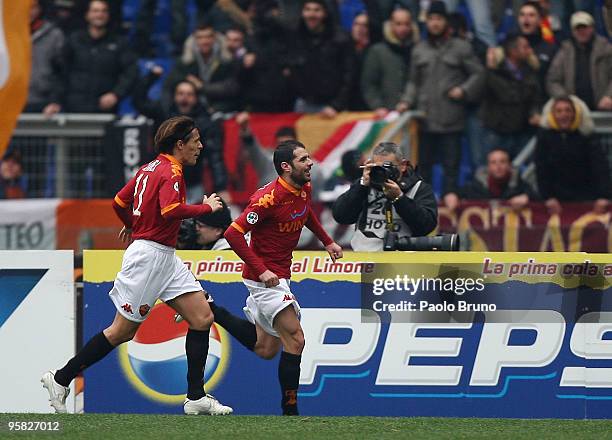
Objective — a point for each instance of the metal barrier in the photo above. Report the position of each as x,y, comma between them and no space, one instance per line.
63,156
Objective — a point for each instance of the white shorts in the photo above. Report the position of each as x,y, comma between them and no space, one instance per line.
149,271
264,303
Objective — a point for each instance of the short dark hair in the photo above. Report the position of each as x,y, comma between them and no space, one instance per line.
178,128
204,26
564,98
534,5
285,131
503,150
185,81
457,22
511,42
236,28
285,153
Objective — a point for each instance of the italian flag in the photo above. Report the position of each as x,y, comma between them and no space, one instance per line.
326,140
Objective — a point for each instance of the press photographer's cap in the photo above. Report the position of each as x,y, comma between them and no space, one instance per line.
220,219
581,18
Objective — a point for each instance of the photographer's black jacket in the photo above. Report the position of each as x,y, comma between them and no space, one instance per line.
418,211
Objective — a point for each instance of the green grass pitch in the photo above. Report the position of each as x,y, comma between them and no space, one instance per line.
150,427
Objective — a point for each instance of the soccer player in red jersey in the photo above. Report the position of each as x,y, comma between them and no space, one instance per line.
275,217
151,207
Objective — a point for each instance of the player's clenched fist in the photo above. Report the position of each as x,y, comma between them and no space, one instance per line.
214,201
269,278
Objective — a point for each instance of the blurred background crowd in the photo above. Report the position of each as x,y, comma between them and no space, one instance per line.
486,77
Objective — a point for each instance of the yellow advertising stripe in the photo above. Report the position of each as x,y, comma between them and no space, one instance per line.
225,266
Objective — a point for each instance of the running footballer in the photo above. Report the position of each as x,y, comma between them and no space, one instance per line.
151,207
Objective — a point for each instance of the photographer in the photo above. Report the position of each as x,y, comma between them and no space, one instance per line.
389,185
205,232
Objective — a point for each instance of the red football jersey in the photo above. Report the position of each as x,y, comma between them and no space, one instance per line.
275,216
157,188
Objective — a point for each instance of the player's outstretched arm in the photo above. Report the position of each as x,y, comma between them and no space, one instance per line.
180,211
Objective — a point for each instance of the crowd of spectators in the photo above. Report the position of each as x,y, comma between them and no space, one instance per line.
487,83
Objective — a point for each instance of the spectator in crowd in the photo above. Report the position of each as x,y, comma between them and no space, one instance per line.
206,232
264,77
360,37
444,75
12,182
291,11
410,200
234,42
65,14
387,64
570,164
497,180
583,66
481,15
214,73
185,103
511,98
47,44
321,63
98,69
458,27
261,157
379,12
530,26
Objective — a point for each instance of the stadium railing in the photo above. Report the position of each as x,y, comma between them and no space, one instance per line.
63,156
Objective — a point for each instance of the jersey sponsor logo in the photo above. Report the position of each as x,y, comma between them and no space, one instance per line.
291,226
144,309
176,186
127,308
288,297
266,200
299,214
154,362
252,218
152,165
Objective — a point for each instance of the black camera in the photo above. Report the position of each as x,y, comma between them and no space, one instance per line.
188,236
381,173
445,242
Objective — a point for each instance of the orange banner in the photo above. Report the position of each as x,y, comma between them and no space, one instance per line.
15,64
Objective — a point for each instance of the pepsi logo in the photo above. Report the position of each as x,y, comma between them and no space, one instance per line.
154,362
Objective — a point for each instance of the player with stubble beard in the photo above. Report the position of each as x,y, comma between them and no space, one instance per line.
275,216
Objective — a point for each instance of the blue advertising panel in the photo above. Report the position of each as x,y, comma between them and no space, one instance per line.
542,346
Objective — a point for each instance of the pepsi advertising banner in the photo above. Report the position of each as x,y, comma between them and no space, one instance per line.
522,335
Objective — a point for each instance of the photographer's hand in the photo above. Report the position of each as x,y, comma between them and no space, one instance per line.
365,177
392,190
